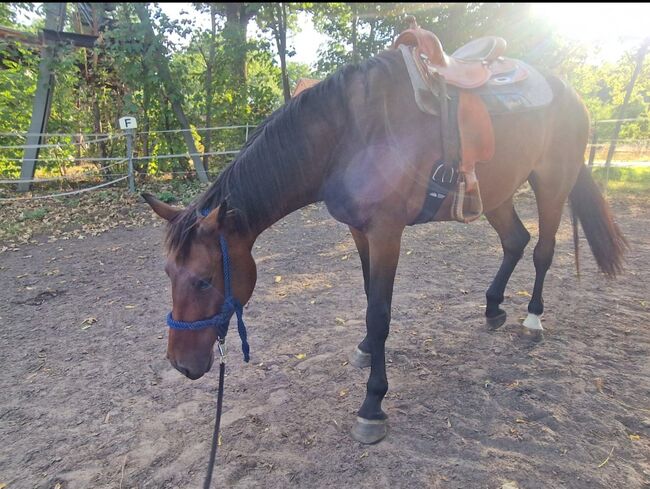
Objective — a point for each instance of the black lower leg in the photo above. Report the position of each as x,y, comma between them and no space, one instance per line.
542,258
384,256
494,294
378,319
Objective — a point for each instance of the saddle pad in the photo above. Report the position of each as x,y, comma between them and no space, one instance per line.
502,96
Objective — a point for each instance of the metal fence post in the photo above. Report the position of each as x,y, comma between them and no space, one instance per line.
128,125
592,151
129,155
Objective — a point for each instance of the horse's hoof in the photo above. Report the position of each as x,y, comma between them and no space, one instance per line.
497,321
533,322
532,329
369,431
359,358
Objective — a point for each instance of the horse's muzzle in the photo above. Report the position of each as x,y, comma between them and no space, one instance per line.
191,370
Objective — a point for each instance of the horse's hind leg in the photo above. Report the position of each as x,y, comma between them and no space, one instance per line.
514,238
550,196
360,356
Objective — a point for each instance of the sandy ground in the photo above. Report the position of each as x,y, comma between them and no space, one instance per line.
89,400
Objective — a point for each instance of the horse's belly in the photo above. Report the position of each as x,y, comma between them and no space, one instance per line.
378,182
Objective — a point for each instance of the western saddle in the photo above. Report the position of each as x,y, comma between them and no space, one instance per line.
467,133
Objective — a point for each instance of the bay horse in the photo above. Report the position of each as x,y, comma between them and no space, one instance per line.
358,142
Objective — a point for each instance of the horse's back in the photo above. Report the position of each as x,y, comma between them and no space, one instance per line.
547,141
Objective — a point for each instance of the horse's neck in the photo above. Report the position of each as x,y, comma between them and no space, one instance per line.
300,183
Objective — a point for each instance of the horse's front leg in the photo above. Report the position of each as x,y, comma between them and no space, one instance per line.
384,247
360,356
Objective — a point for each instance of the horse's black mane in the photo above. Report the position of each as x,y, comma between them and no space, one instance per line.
280,147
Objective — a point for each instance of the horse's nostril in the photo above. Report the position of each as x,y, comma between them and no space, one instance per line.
189,373
182,370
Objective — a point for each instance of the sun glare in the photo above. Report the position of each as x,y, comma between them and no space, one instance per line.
607,23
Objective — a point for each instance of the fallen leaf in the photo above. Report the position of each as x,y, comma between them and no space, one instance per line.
278,278
635,437
523,293
339,320
343,392
510,485
301,356
598,382
86,323
602,464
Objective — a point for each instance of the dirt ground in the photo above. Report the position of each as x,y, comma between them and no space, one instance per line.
88,399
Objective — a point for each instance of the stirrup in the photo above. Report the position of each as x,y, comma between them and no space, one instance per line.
474,208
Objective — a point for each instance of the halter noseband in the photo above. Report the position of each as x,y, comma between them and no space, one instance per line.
230,306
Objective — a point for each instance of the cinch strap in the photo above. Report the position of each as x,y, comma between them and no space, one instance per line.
230,306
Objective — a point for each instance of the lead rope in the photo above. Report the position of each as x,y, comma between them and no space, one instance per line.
217,422
222,371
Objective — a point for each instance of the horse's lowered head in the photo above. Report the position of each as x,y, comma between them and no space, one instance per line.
195,266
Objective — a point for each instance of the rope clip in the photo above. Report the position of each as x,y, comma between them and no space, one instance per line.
221,346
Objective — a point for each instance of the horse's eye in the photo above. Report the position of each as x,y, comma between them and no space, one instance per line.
203,285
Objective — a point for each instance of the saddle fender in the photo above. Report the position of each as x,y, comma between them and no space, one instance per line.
476,135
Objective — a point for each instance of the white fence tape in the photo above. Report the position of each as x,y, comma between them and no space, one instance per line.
79,176
65,194
62,145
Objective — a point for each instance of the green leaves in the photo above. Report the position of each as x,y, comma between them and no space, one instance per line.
95,87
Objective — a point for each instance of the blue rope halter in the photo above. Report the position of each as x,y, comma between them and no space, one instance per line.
230,306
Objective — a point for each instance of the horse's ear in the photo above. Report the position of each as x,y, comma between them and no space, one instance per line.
216,220
223,211
165,211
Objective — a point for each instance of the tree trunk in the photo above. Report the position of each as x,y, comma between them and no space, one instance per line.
146,126
238,15
54,20
371,38
169,139
209,89
235,34
355,48
97,127
174,95
281,40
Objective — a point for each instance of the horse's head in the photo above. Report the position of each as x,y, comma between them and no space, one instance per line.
195,268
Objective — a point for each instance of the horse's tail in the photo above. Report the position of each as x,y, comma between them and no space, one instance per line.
605,238
576,241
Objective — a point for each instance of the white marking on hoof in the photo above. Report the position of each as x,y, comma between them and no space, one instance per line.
533,322
361,420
